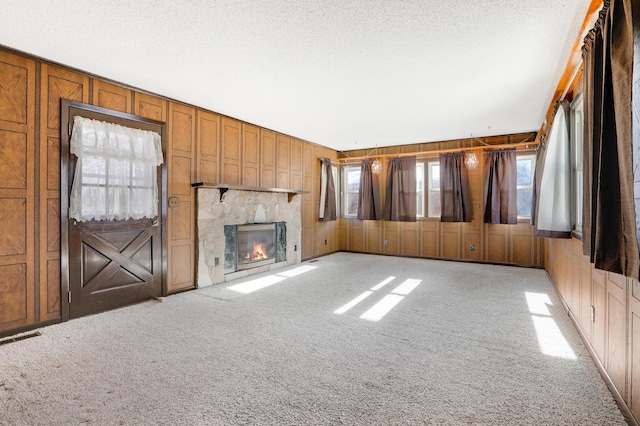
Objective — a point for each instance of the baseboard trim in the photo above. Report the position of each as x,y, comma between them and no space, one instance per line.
27,328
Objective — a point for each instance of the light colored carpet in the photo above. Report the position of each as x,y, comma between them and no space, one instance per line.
461,347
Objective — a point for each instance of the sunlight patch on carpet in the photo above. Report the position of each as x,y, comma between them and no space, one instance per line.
406,287
255,285
550,339
353,303
297,271
538,303
382,308
383,283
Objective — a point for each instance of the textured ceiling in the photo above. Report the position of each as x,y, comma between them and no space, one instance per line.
344,74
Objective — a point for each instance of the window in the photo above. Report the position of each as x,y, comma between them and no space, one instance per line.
420,189
434,188
113,181
577,131
351,185
336,185
525,167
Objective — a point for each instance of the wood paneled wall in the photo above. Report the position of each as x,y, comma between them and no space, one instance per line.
201,146
606,308
509,244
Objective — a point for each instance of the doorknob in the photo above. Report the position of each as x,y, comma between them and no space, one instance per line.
156,223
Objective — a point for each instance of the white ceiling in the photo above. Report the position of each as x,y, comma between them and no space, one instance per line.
347,74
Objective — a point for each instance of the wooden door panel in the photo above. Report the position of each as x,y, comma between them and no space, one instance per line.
113,266
108,264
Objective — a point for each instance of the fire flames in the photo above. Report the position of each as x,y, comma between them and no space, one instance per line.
259,252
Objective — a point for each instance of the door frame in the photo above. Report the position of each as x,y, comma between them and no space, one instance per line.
70,109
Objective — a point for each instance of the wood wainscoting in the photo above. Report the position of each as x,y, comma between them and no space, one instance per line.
430,238
606,309
202,146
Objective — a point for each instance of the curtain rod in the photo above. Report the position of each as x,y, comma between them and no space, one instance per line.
521,145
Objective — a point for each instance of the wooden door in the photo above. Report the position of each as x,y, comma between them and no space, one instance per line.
108,264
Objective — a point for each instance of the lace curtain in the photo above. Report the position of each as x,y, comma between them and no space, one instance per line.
116,172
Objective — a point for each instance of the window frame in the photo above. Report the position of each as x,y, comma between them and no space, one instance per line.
431,190
522,156
344,192
577,157
338,191
420,189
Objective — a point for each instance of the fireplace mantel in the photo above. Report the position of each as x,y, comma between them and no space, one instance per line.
224,187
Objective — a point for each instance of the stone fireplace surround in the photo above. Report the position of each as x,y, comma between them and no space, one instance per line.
237,207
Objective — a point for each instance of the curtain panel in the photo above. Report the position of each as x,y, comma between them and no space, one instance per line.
116,172
500,187
553,195
369,204
400,201
609,218
327,211
455,195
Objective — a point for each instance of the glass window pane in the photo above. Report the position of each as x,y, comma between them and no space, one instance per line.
352,204
524,202
435,176
524,171
434,204
353,180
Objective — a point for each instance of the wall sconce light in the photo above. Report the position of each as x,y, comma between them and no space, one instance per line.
471,161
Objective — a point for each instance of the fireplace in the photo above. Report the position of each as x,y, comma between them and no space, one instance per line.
253,245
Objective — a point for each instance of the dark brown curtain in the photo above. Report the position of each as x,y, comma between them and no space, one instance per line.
369,204
500,186
609,231
455,196
400,201
327,211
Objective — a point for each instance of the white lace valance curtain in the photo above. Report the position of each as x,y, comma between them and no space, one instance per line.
116,172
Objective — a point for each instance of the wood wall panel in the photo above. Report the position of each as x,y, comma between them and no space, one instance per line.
616,331
634,397
356,235
268,159
450,244
250,155
150,107
283,153
373,236
391,240
296,164
18,295
231,152
599,325
14,294
410,242
496,245
56,84
208,147
107,95
474,239
51,309
430,230
181,219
